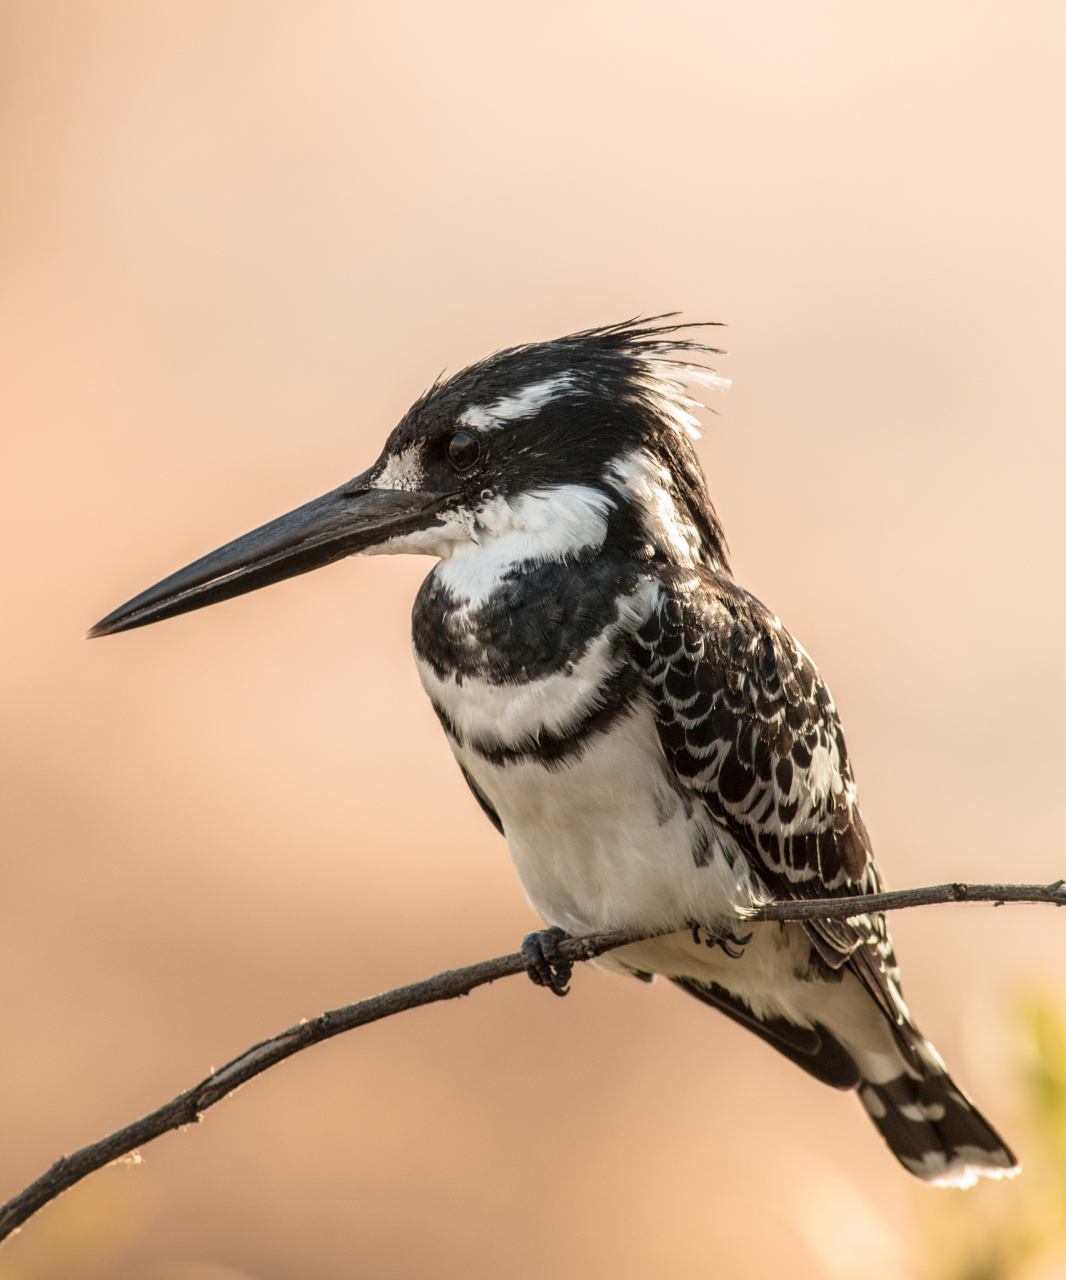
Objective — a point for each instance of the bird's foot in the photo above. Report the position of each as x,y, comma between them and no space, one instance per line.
731,943
546,966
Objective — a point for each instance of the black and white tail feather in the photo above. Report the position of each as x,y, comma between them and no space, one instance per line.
929,1124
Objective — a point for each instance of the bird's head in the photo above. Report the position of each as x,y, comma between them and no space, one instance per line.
546,451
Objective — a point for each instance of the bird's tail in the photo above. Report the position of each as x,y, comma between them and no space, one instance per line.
930,1125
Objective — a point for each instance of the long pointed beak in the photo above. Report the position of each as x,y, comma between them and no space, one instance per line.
350,519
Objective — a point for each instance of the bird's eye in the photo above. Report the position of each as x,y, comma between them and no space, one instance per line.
463,450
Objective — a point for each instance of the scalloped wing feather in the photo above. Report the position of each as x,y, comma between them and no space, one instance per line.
747,722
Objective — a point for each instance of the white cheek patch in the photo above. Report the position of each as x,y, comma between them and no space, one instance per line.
528,402
646,484
479,547
402,471
546,524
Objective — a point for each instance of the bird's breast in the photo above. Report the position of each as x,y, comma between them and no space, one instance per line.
546,713
535,621
540,666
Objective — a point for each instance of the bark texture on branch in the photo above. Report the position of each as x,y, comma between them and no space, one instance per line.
187,1107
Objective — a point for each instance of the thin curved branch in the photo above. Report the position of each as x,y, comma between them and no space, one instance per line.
897,899
189,1106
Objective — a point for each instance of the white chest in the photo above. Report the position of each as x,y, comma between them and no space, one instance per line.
607,841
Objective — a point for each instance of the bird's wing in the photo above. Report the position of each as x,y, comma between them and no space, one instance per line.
483,801
748,724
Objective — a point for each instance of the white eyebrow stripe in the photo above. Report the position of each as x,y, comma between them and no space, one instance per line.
478,416
529,401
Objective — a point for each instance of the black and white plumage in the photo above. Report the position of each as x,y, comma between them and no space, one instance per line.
659,752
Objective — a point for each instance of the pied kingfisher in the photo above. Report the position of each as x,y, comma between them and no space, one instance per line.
658,751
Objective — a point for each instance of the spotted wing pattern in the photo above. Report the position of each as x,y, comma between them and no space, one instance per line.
747,722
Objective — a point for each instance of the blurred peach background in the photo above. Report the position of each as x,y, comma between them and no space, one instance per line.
237,238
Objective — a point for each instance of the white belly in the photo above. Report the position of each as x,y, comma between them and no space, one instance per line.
605,841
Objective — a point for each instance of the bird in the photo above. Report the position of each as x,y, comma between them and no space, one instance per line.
661,755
